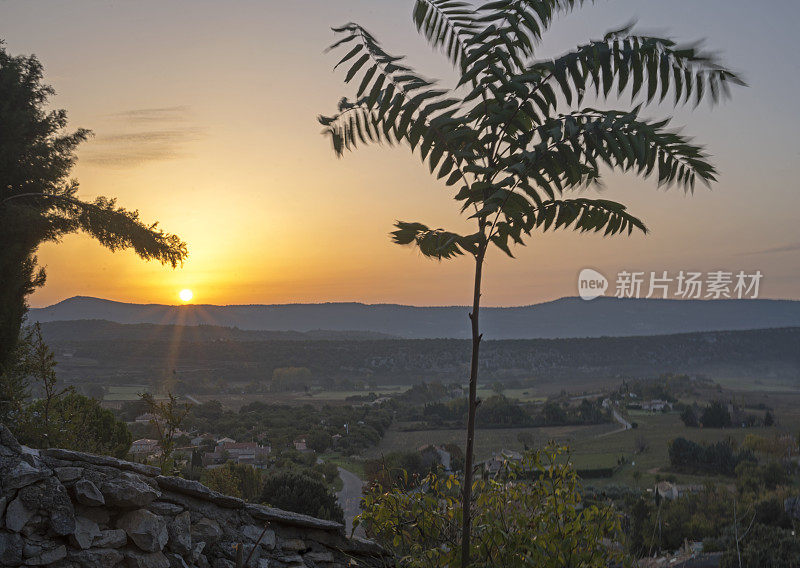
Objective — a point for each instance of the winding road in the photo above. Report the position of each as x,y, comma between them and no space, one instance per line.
350,499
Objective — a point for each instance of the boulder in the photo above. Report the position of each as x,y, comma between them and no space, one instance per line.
11,545
164,508
68,473
319,557
197,489
206,530
48,557
176,560
147,530
51,497
87,493
22,475
97,557
128,490
180,535
17,515
86,531
137,559
112,538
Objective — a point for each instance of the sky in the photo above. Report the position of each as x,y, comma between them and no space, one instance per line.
204,119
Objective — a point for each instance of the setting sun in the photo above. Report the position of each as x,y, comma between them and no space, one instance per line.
185,295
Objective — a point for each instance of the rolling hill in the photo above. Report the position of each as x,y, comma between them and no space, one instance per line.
563,318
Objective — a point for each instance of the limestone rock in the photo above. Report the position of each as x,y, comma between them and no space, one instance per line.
87,493
319,556
197,489
68,473
176,560
180,536
197,551
293,545
147,530
252,533
206,530
51,497
164,508
22,475
97,557
128,490
17,515
137,559
48,557
103,461
86,531
10,548
112,538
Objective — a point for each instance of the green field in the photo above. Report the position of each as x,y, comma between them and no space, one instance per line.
487,441
124,392
656,430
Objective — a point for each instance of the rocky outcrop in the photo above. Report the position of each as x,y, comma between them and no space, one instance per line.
69,509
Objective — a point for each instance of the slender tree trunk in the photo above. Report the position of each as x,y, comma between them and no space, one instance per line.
472,408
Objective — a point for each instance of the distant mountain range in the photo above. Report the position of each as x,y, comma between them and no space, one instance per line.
563,318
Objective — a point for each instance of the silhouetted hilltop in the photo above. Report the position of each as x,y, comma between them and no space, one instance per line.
102,330
566,317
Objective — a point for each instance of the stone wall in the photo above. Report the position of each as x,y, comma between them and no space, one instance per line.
67,509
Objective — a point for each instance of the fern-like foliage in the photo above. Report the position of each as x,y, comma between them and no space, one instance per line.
507,136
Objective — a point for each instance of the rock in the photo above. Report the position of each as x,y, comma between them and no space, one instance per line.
293,545
87,493
180,536
176,561
319,556
206,530
3,502
11,546
262,512
252,533
112,538
197,552
86,531
30,549
136,559
97,557
52,498
147,530
22,475
17,515
292,560
164,508
128,490
222,563
99,515
68,473
48,557
104,461
197,489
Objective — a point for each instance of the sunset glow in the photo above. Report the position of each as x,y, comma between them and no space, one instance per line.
186,295
270,214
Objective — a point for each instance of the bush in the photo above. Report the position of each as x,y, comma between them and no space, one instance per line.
716,458
301,493
538,523
716,415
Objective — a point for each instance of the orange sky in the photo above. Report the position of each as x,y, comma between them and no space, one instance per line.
205,120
